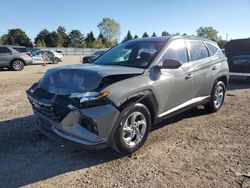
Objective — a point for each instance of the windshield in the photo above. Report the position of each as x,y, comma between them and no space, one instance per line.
132,54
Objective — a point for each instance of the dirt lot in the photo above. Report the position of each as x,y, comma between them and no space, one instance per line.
194,149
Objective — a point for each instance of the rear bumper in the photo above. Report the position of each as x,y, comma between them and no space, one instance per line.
28,61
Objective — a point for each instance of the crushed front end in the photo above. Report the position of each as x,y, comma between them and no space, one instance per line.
83,117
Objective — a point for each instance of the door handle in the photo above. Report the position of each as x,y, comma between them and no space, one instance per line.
214,68
188,77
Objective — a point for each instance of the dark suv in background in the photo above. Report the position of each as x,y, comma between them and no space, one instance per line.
14,57
238,54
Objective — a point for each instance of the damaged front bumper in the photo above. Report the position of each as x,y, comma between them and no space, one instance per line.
90,127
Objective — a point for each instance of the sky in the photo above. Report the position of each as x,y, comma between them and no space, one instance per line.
228,17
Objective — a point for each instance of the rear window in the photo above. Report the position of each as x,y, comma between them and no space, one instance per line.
20,49
198,50
212,49
4,50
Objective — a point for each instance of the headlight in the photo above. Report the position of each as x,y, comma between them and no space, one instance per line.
89,96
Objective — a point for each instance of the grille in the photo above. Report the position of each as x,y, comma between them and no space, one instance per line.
46,109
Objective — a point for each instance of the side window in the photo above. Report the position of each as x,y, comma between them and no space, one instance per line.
198,50
177,50
39,53
212,49
4,50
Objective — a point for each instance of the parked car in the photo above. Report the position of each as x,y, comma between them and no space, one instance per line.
238,53
115,101
14,57
91,58
60,52
49,55
22,49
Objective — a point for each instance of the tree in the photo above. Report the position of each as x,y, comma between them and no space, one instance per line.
128,36
208,32
110,29
42,37
221,43
16,37
62,33
154,34
89,40
54,40
145,35
40,43
136,37
76,38
165,33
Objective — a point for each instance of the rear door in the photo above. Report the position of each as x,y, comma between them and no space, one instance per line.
202,65
5,56
38,57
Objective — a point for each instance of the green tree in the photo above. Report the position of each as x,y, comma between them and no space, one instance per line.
110,29
62,34
128,36
89,40
221,43
16,37
42,37
145,35
54,40
154,34
136,37
208,32
40,43
76,38
165,33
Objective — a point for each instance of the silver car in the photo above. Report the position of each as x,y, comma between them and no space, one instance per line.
14,57
116,100
46,56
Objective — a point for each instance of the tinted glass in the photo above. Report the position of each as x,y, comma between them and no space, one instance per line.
39,53
20,49
132,54
177,50
4,50
198,50
212,49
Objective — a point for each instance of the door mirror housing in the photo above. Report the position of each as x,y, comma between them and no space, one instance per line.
170,64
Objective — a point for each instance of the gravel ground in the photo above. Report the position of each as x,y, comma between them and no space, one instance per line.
193,149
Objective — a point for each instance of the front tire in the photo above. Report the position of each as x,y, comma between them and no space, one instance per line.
217,97
17,65
133,126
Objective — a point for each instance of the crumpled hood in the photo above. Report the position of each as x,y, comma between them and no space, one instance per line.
80,78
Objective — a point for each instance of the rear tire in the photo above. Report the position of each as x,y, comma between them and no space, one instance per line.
55,61
17,65
217,97
132,129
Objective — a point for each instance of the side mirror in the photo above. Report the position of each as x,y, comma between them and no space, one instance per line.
170,64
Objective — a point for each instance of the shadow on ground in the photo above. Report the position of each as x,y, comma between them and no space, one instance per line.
27,156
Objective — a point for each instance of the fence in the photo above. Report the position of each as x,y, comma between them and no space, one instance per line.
74,51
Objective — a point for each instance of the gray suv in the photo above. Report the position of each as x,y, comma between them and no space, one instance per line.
14,57
116,100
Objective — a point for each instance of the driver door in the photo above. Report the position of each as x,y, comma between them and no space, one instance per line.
181,87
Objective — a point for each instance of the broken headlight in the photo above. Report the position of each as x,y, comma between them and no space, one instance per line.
88,96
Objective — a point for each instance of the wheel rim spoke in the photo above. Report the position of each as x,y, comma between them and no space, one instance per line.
134,129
